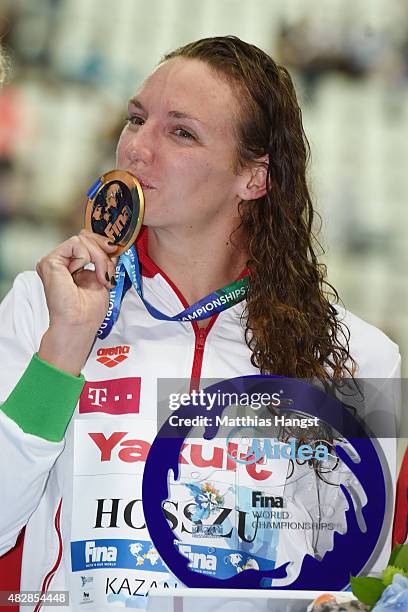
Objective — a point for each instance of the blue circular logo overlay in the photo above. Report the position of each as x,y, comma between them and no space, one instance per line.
351,550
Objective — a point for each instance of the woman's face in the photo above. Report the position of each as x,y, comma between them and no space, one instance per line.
180,142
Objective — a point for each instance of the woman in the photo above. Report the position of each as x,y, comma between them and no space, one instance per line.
215,137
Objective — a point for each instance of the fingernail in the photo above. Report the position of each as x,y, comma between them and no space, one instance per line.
107,277
110,243
113,281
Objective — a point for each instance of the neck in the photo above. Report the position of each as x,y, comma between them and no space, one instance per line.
196,264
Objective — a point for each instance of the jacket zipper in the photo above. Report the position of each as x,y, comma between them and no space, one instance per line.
201,334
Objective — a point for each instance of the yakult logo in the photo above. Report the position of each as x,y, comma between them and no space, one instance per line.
113,356
119,446
119,396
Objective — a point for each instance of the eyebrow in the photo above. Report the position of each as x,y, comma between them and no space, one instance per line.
174,113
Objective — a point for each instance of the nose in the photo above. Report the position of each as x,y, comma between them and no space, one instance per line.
139,149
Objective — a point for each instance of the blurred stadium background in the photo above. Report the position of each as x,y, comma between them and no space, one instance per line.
76,62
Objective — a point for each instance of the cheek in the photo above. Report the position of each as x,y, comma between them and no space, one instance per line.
121,147
214,175
195,169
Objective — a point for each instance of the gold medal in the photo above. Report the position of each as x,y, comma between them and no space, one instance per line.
115,208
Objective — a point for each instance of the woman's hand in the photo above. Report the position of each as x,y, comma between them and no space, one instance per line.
77,299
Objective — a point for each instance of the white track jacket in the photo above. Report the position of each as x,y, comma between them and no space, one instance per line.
80,497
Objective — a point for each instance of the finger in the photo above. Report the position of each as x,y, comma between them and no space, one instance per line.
111,273
103,265
87,279
103,241
76,253
72,251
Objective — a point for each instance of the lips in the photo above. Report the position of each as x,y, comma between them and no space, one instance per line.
145,184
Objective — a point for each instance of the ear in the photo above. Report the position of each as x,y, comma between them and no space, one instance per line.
255,179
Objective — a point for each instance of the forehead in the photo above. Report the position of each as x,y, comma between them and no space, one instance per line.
192,87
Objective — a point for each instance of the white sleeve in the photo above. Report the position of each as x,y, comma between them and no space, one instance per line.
33,416
23,321
25,462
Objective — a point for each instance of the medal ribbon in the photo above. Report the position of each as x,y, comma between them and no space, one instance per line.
128,273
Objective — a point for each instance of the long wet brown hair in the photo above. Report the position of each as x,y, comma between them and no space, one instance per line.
292,327
4,67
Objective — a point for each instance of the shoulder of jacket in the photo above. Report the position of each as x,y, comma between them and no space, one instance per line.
28,293
29,281
376,355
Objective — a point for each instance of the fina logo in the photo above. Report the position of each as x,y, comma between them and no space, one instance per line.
266,501
98,554
199,561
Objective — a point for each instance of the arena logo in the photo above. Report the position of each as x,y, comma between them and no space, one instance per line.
130,450
112,356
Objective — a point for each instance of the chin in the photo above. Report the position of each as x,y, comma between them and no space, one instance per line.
153,221
154,217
